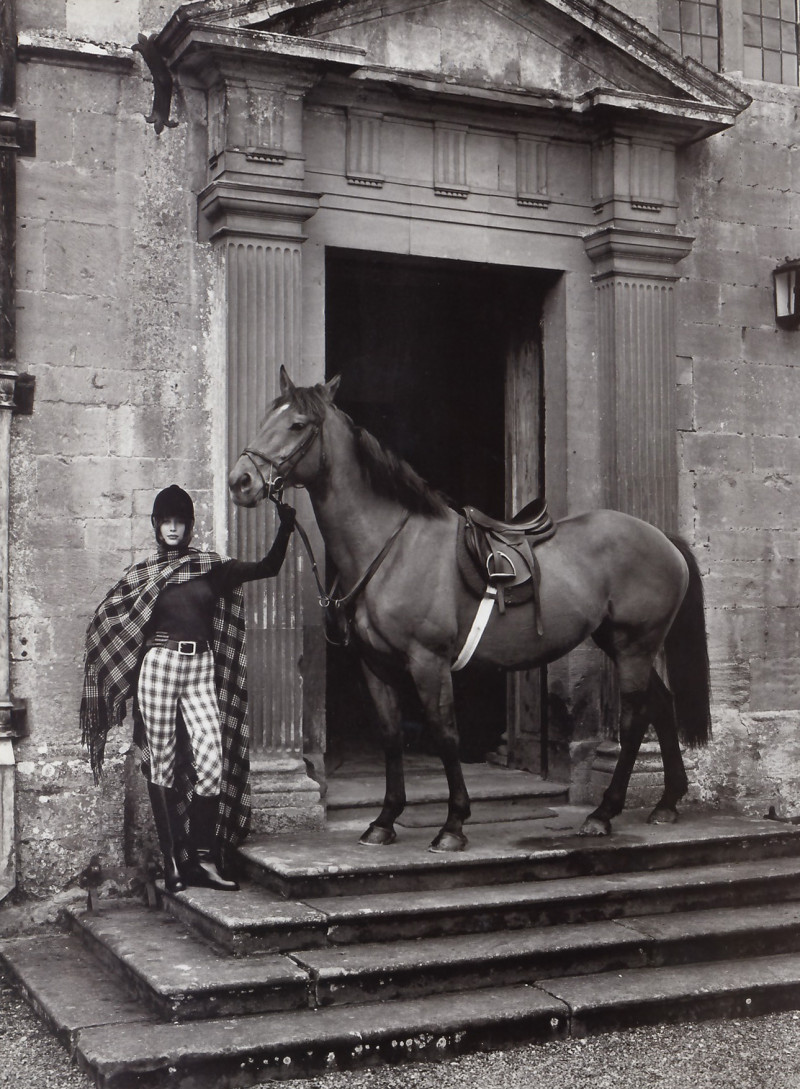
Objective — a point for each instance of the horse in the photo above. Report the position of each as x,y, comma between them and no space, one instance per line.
392,537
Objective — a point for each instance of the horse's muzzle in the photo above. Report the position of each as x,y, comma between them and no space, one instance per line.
244,488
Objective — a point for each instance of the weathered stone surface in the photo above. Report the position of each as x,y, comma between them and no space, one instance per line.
180,976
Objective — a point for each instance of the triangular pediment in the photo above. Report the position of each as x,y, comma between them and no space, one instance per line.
572,51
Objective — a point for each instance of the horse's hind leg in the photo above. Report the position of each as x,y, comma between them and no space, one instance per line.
634,717
675,782
381,832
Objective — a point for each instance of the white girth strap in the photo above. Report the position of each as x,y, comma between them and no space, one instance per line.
477,629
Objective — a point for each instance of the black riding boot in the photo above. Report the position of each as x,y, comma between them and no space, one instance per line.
202,870
166,821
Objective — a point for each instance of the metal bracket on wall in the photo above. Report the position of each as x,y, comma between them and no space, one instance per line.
24,389
14,719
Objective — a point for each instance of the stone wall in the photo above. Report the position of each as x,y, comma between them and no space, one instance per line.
113,312
739,444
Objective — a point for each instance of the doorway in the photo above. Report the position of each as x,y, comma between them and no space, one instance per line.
430,353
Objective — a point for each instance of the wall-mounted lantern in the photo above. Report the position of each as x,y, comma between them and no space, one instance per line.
786,279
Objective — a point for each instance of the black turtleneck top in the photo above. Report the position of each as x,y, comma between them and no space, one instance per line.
185,610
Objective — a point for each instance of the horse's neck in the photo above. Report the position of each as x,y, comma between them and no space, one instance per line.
353,520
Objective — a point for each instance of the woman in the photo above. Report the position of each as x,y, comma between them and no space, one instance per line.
171,633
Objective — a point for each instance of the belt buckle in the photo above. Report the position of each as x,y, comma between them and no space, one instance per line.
184,643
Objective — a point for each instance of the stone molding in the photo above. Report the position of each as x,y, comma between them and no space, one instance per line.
244,208
636,251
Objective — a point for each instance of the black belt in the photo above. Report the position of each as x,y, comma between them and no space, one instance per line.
183,646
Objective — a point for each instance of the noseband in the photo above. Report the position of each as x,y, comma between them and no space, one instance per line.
272,485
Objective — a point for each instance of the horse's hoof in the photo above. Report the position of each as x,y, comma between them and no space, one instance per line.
663,815
595,826
448,841
375,836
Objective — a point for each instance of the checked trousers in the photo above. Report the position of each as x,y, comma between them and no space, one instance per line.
168,682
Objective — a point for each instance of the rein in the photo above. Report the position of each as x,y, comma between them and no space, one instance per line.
326,599
272,487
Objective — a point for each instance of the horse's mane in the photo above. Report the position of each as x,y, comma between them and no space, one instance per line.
388,474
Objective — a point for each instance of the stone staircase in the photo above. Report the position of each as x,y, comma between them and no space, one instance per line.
334,956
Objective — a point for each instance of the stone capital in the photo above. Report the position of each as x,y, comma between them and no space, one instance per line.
244,209
635,251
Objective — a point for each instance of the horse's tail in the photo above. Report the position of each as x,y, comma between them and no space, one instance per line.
686,649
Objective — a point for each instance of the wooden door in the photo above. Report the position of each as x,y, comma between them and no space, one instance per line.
525,741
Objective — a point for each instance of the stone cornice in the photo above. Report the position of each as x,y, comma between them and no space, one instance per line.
190,41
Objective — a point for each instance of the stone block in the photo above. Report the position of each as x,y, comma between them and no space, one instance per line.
102,488
710,340
49,86
752,306
743,502
41,15
96,137
99,21
772,344
46,190
79,330
777,454
136,430
701,305
717,453
730,684
773,684
84,385
70,430
30,256
82,259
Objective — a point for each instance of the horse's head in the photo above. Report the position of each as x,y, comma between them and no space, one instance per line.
287,441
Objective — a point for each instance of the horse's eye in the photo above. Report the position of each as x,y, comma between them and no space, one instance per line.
296,426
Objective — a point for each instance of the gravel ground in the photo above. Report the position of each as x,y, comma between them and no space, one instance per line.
762,1053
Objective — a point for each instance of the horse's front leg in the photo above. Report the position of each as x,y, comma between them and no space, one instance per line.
434,684
387,705
633,722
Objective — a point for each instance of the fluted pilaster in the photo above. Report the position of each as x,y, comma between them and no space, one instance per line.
636,348
263,288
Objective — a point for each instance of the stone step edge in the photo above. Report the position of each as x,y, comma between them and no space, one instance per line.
428,871
428,1029
425,967
586,899
170,1001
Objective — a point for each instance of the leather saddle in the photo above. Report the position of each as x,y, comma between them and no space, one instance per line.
498,554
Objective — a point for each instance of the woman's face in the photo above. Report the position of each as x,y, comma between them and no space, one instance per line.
172,531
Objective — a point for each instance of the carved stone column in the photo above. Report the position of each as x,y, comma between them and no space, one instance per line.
253,211
636,354
635,252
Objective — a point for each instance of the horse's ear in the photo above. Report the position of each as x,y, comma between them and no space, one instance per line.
286,384
332,386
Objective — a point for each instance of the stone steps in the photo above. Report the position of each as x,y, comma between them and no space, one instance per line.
257,921
396,953
182,978
313,866
91,1013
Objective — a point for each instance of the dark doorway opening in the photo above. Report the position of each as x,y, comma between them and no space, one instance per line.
423,349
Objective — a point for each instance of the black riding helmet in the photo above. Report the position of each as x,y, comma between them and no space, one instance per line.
173,502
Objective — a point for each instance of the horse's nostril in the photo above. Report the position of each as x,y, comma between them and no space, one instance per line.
245,480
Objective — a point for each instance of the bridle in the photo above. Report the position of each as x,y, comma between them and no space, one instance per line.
272,488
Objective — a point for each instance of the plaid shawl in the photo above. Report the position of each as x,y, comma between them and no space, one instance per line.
114,651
